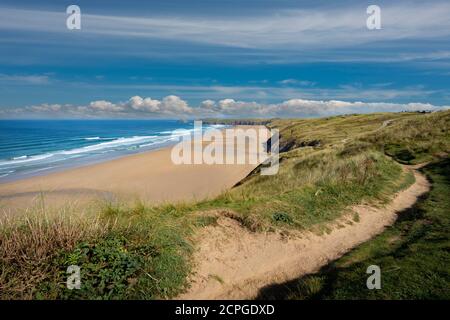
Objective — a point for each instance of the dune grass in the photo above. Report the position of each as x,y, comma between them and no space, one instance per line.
122,253
312,189
413,255
414,140
139,251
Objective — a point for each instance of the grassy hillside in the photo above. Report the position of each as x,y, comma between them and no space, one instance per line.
413,254
143,252
415,139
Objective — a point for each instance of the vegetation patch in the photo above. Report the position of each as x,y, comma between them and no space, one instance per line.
143,252
413,255
282,217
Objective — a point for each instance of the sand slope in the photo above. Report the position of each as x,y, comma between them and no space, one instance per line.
233,263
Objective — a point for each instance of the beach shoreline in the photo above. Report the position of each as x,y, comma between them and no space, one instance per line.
150,177
36,148
78,163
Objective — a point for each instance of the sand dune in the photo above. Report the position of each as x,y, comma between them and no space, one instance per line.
246,262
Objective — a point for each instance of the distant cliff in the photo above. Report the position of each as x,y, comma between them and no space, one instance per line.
238,122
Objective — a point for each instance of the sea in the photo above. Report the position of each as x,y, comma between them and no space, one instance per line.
37,147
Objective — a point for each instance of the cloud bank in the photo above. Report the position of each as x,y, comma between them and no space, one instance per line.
288,29
174,107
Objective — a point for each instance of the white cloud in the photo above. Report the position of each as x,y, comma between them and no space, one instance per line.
174,107
46,108
313,108
25,79
106,106
147,105
277,93
317,108
283,29
207,104
297,82
170,105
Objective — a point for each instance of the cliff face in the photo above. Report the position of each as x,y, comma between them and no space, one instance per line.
286,144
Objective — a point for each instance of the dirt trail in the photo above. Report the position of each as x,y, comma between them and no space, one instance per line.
383,125
234,263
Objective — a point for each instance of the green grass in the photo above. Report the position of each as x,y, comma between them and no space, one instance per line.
311,190
126,254
413,254
413,140
137,251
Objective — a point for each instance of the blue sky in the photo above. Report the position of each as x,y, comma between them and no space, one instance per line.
222,58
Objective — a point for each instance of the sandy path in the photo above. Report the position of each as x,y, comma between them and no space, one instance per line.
383,125
233,263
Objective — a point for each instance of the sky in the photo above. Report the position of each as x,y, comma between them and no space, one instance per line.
227,58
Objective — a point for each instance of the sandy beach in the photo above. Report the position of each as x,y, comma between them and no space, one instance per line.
151,177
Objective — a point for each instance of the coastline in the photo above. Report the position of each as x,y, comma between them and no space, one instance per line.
150,177
79,163
41,147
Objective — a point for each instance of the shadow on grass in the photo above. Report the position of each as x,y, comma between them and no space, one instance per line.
417,227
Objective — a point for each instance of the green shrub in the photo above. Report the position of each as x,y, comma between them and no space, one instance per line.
109,268
401,153
282,217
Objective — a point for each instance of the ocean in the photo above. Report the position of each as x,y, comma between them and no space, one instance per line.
36,147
